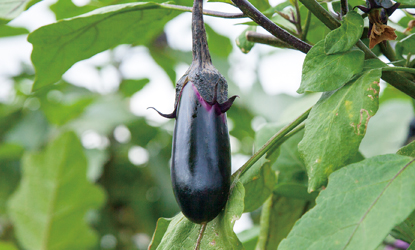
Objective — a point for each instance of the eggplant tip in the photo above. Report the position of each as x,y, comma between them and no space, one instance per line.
171,115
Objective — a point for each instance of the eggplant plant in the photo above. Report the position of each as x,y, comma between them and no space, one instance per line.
330,168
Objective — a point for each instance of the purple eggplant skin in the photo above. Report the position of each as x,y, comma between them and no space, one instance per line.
201,159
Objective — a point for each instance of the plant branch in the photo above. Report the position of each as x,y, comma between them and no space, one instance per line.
256,37
252,12
280,137
404,69
402,83
406,6
298,21
387,51
205,12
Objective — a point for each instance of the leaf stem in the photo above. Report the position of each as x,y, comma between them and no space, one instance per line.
307,26
252,12
405,69
344,6
402,83
406,6
298,21
256,37
280,137
205,12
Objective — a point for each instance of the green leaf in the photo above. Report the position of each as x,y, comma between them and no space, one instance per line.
66,9
182,233
7,246
131,86
408,43
336,125
412,246
9,9
9,172
359,207
259,180
60,113
249,237
6,30
161,228
244,45
277,219
56,47
407,150
406,230
345,37
49,206
323,72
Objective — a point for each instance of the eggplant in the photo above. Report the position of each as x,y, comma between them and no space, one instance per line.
201,160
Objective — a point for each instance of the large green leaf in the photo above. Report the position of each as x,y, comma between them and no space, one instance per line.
9,9
9,172
336,125
323,72
56,47
277,219
49,206
359,207
182,233
345,37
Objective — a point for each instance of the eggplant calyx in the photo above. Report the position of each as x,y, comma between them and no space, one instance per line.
228,104
171,115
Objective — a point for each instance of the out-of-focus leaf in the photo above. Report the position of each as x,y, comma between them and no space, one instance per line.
412,246
103,115
277,218
322,72
336,125
50,203
249,237
219,45
9,172
406,230
130,86
408,44
244,45
9,9
408,150
355,212
141,132
162,55
391,92
259,180
183,234
392,122
6,30
7,246
345,37
30,132
56,47
96,160
60,113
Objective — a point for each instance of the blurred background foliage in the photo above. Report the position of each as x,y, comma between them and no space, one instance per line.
128,156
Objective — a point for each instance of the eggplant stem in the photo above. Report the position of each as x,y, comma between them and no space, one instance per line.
200,48
201,232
